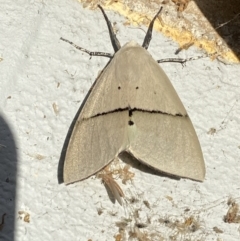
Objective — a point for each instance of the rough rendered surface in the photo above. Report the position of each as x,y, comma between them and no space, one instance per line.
43,83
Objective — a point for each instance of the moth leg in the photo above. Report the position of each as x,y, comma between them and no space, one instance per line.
183,61
108,55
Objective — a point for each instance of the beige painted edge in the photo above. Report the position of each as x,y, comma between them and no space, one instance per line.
185,38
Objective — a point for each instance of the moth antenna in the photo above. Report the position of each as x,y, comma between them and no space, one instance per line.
115,43
148,36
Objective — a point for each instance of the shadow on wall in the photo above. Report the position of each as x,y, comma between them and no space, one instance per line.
8,173
220,12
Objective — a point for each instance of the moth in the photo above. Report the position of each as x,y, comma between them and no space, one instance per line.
132,107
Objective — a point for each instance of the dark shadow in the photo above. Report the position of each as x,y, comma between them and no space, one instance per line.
8,183
220,12
65,145
135,163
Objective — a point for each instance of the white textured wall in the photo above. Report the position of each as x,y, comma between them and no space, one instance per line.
39,71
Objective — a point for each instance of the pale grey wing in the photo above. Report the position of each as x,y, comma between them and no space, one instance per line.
133,79
149,88
94,143
167,143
